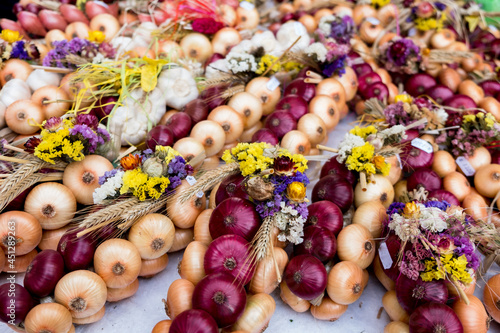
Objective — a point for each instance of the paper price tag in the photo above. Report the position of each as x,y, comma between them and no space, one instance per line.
399,160
412,32
199,194
272,84
466,167
191,180
373,20
385,256
247,5
422,145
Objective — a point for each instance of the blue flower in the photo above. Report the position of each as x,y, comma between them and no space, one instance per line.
19,51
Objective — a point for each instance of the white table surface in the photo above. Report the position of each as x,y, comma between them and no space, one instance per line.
141,312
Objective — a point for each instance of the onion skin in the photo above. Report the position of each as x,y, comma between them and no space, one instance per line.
306,276
179,297
43,273
491,297
78,253
327,215
393,308
473,317
355,244
441,195
425,178
432,316
335,190
318,242
345,283
414,158
411,294
13,292
334,167
231,186
296,303
258,312
234,216
417,84
298,87
193,321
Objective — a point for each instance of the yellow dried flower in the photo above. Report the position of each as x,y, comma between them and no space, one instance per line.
405,98
10,36
296,191
96,36
411,210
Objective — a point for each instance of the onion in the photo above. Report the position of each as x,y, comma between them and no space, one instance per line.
265,135
333,88
184,215
419,83
268,272
487,180
300,88
51,93
295,104
334,167
490,87
306,276
212,97
15,302
366,80
193,321
90,319
413,293
345,283
362,69
21,116
77,252
26,235
386,281
313,127
189,148
491,105
179,124
223,299
118,294
231,186
160,135
43,273
197,46
230,254
435,317
151,267
234,216
179,297
211,135
355,243
473,316
325,214
201,227
400,190
197,109
82,177
230,121
414,158
328,310
441,195
396,327
248,106
281,122
335,190
163,326
371,215
460,102
296,142
50,238
269,99
491,297
439,93
258,312
247,134
379,188
225,39
326,108
153,235
449,78
48,317
296,303
471,89
443,163
318,242
191,266
425,178
393,308
52,204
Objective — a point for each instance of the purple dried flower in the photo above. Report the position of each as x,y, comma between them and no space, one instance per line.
19,51
53,124
107,174
87,119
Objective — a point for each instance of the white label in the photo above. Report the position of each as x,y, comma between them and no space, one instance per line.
422,145
466,167
199,194
247,5
273,83
412,32
373,20
191,180
385,256
299,28
105,5
399,160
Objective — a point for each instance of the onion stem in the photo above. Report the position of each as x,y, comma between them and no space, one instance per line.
325,148
52,69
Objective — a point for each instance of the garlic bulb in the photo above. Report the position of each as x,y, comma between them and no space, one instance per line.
40,78
179,87
288,34
122,44
143,34
14,90
216,69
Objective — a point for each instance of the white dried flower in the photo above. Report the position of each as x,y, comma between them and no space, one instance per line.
241,62
325,25
266,40
318,50
405,229
345,147
216,69
393,130
441,115
291,224
110,188
432,219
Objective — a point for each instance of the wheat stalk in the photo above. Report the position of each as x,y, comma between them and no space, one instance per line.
19,188
141,210
111,213
262,241
207,181
20,174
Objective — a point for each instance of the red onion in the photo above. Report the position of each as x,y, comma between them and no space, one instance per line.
334,167
425,178
439,93
234,216
160,135
306,276
490,87
482,40
393,246
17,8
298,87
180,125
319,242
15,302
362,69
33,8
44,272
18,202
280,123
231,186
435,318
338,191
441,195
376,90
265,135
103,108
107,232
367,80
327,215
413,293
77,253
221,297
193,321
460,102
419,83
230,254
294,104
495,157
398,78
410,135
414,158
197,109
212,96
